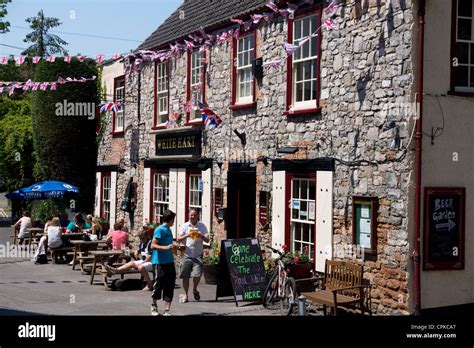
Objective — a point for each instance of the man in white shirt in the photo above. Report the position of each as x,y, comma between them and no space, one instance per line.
192,234
23,224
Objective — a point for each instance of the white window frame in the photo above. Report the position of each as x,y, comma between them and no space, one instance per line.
162,95
196,83
310,222
106,196
310,103
119,123
160,195
193,189
470,65
242,68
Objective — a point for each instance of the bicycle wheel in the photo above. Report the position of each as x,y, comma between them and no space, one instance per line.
270,294
288,298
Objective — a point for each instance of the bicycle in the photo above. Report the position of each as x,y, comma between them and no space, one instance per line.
280,289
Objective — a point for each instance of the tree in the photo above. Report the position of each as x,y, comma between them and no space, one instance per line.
65,146
3,12
44,43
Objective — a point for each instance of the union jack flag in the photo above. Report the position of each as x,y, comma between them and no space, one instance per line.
209,118
330,25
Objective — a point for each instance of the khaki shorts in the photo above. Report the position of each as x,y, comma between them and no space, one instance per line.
147,265
190,268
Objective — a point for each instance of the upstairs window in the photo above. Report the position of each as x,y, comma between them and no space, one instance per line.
119,97
244,87
196,83
305,64
162,93
464,33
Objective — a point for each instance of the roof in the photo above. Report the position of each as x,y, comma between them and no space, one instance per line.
197,13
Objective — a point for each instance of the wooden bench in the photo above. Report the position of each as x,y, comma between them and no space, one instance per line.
58,251
341,287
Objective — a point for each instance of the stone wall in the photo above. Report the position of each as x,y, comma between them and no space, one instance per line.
366,65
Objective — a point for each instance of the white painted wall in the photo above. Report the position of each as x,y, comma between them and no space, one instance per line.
206,198
146,193
444,288
173,198
279,206
181,214
113,198
324,218
98,180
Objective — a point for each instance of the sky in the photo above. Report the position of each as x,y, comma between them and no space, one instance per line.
132,20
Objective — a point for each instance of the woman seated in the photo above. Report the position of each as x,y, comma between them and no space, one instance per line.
117,238
96,228
53,239
78,225
142,263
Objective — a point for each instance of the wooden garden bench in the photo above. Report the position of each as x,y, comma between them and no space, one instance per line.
60,251
341,287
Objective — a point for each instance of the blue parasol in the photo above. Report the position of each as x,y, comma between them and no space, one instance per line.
44,190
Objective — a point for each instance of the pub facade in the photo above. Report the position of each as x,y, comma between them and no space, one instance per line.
316,152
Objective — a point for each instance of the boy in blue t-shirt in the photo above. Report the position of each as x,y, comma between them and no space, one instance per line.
163,263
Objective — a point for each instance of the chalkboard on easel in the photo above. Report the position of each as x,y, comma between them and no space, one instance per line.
241,270
444,229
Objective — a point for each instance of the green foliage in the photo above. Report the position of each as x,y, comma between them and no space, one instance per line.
43,210
212,255
4,26
43,43
16,143
66,146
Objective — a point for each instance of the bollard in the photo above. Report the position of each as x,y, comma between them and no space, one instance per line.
302,306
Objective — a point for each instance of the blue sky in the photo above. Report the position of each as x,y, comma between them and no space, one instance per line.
125,19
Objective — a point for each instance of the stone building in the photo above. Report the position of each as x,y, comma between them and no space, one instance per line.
318,152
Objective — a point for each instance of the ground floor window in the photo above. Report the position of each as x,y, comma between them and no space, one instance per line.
195,193
302,214
161,193
105,193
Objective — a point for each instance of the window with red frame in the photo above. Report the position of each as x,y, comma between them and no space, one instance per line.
244,83
302,217
160,195
162,94
196,83
105,196
119,97
195,192
464,34
303,66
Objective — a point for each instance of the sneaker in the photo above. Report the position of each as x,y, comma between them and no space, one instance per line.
167,314
154,310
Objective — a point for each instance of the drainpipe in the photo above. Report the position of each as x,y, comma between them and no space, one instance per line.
418,159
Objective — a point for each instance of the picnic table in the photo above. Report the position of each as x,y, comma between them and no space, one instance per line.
86,245
33,232
103,256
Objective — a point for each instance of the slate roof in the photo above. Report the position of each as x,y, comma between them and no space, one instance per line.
198,13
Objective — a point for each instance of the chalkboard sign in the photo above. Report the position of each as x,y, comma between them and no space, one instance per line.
241,271
444,229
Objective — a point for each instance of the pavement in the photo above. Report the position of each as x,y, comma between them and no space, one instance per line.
51,289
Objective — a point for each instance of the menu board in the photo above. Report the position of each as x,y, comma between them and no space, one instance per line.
241,271
444,229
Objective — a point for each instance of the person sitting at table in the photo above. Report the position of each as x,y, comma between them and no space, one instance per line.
53,239
96,228
78,225
118,239
64,222
23,224
143,261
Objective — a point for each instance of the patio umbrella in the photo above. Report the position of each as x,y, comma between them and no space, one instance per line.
44,190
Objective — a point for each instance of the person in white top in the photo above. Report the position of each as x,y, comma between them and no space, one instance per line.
23,224
53,238
192,234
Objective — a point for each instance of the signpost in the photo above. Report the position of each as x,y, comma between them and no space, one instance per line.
444,229
241,270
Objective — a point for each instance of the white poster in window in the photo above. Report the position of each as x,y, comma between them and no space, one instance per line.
365,240
364,226
296,204
364,212
312,210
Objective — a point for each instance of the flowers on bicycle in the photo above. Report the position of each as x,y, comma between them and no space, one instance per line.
284,247
296,259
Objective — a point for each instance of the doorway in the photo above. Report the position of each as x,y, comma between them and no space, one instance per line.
241,201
